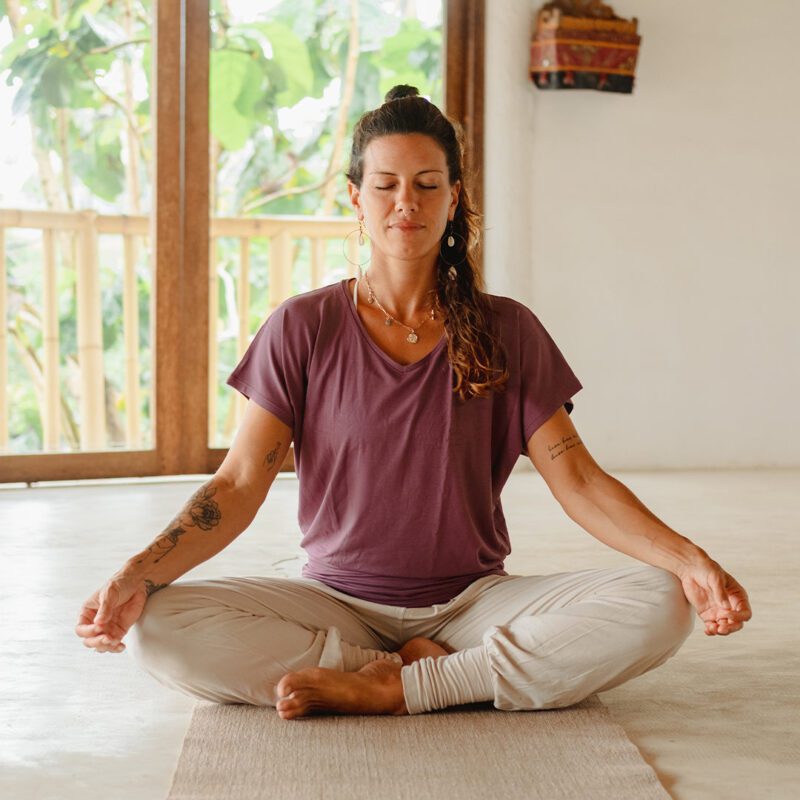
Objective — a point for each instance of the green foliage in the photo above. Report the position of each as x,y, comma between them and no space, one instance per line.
100,167
233,75
65,65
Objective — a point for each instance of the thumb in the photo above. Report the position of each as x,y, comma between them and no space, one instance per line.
719,591
106,605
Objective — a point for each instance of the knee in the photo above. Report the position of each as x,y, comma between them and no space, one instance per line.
155,640
672,614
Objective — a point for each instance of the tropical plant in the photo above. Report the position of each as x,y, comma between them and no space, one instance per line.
287,84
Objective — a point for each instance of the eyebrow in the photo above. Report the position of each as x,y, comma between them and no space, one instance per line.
421,172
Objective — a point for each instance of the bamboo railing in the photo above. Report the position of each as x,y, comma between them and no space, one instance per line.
86,226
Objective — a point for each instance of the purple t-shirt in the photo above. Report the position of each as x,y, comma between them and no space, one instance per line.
399,482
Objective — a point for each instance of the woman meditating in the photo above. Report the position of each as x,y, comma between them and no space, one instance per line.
409,393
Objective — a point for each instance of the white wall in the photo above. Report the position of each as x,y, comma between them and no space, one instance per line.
657,234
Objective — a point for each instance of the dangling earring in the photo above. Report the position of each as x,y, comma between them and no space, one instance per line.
361,233
452,273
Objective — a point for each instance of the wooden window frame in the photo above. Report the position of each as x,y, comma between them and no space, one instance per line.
181,252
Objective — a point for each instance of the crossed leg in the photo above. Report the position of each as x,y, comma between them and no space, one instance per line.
376,688
524,642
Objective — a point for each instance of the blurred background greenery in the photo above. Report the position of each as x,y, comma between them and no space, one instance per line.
288,81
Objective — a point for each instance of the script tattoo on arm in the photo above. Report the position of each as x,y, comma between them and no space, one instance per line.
560,447
201,511
271,457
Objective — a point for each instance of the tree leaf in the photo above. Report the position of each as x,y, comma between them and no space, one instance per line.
55,86
229,74
101,169
79,10
105,29
291,54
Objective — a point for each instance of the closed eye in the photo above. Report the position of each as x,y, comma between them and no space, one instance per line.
421,186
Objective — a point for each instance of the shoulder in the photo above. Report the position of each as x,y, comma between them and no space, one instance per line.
513,317
307,311
311,303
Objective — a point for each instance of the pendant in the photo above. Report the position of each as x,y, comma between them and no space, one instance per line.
412,337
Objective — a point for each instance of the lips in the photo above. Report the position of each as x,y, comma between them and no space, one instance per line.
407,226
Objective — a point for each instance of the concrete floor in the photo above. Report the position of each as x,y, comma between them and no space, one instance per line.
717,720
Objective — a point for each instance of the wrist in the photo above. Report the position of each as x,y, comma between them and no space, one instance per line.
134,570
693,556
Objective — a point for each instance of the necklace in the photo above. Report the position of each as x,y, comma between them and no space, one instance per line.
390,320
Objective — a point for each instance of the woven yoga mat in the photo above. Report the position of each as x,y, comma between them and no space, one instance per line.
238,752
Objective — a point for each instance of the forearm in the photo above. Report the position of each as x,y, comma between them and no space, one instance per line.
613,514
211,519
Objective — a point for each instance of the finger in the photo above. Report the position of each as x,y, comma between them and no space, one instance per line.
103,644
735,627
718,587
734,616
98,641
724,628
87,615
106,604
111,630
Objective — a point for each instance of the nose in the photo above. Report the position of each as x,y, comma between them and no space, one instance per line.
406,201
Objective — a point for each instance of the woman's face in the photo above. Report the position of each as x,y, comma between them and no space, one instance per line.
405,197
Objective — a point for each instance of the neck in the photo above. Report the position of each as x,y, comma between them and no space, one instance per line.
404,295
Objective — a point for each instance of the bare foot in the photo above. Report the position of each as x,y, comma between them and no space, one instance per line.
417,648
374,689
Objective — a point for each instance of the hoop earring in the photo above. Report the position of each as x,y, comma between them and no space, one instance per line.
360,231
451,245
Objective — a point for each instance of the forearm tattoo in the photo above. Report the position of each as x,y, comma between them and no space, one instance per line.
271,457
152,588
560,447
201,511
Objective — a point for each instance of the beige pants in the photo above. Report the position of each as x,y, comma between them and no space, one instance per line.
546,641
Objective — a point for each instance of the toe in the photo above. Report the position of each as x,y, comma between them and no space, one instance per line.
284,687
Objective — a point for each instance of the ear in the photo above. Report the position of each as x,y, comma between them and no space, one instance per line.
455,189
355,198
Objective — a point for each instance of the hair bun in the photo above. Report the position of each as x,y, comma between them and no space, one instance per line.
399,91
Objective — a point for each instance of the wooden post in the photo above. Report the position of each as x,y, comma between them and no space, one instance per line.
464,26
3,344
213,344
353,253
243,303
130,327
280,269
51,395
90,340
317,261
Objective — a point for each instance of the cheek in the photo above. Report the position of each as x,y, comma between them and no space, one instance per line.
376,211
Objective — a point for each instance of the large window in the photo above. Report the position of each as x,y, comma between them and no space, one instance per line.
169,196
76,197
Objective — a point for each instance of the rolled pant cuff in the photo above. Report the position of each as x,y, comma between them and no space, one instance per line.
451,680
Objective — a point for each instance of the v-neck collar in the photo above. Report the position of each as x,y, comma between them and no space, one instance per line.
371,342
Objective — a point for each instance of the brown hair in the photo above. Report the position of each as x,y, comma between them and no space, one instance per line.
477,356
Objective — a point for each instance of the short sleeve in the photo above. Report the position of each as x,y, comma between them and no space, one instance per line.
271,372
546,381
